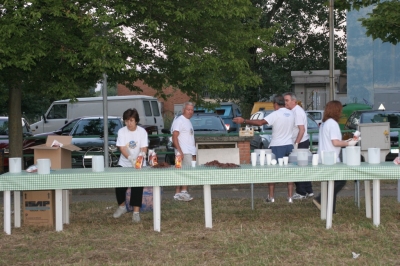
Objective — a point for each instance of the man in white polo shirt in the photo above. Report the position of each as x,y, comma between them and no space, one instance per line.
300,140
282,122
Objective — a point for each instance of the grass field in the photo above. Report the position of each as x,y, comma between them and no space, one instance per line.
274,234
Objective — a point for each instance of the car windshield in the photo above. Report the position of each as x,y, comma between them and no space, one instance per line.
88,127
3,127
311,123
206,123
68,127
371,117
316,115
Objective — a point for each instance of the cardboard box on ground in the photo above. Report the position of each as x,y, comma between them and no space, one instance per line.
38,206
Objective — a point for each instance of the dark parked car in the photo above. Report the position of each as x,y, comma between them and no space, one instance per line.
376,116
203,124
4,142
263,140
88,132
227,111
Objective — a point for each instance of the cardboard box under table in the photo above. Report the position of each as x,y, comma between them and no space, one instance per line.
60,157
38,208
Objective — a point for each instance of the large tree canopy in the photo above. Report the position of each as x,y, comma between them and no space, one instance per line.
384,21
304,28
61,48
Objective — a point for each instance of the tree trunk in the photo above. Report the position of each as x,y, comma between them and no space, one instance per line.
14,119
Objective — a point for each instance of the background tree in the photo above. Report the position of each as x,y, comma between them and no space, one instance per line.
61,48
304,27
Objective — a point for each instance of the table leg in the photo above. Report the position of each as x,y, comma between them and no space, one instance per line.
207,205
157,208
252,195
367,186
7,212
17,208
398,190
65,206
324,196
59,210
376,190
329,210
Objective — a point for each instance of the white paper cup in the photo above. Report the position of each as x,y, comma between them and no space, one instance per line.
268,158
315,159
280,161
262,156
253,159
43,166
193,163
14,165
98,163
285,160
273,161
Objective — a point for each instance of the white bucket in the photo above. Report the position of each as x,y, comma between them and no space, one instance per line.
302,158
374,155
353,156
14,165
328,157
43,166
98,163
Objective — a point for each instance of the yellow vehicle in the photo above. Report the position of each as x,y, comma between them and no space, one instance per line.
260,106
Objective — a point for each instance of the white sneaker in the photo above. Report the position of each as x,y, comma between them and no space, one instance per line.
269,200
121,210
298,196
136,217
310,195
183,196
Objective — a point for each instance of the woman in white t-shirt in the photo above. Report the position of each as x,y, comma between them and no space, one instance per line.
132,139
330,139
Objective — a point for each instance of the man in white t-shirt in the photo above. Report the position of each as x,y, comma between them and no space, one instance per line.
300,140
183,140
282,121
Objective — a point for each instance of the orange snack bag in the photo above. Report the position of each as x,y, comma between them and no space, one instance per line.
139,161
152,158
178,160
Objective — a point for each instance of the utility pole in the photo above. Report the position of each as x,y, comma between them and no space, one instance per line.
331,51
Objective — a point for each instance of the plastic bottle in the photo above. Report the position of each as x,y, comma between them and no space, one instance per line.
178,160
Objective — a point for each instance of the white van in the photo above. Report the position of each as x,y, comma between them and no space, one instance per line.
61,112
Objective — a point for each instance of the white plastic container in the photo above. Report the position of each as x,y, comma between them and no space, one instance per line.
14,165
374,155
353,156
302,158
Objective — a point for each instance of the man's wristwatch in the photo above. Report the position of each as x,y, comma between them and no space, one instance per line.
244,121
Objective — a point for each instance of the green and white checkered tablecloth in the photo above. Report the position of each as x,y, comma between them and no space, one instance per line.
200,175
